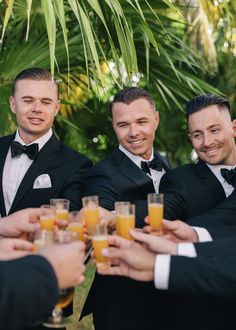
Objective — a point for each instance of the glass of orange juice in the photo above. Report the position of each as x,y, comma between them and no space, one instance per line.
126,220
155,212
91,211
76,224
99,242
48,219
62,211
42,238
118,212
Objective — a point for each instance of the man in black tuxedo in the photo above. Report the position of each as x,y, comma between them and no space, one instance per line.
131,172
193,189
197,188
34,165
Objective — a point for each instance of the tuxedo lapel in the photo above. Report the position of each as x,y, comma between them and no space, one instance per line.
45,157
128,169
210,180
5,143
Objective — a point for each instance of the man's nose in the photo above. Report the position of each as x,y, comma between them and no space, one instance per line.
37,106
207,139
133,130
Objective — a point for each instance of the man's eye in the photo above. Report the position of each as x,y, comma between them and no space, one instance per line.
142,122
196,136
216,130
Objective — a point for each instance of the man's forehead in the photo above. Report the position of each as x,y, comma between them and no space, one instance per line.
28,86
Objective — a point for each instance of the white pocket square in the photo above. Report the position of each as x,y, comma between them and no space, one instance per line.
42,181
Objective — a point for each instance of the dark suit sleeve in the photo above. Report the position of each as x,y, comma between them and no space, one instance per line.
72,187
221,221
97,181
223,247
175,197
203,276
28,291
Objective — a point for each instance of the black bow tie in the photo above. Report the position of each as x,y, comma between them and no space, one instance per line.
229,176
17,149
155,164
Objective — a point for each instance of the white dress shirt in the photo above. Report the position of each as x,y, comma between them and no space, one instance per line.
155,175
15,168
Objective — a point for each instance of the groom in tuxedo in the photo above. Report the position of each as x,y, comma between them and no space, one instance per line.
34,164
128,174
196,188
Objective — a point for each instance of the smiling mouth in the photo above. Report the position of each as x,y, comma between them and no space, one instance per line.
36,120
136,142
211,151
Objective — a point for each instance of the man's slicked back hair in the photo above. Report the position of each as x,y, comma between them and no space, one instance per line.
130,94
205,100
33,74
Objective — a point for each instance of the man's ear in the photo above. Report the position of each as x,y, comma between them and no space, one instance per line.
57,108
234,127
12,104
157,119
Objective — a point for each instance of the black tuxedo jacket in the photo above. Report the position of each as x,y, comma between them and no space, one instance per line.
210,277
189,190
117,178
28,291
64,167
221,221
116,302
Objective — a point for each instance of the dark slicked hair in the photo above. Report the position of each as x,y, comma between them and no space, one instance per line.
205,100
130,94
33,74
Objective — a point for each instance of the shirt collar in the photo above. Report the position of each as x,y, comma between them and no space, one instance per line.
216,170
41,141
136,159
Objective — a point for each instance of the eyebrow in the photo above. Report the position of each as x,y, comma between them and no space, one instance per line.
209,127
137,120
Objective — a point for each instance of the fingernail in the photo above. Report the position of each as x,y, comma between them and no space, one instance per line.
105,252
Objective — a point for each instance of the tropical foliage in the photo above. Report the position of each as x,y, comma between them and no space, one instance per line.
100,46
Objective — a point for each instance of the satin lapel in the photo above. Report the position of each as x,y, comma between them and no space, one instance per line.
210,180
128,169
45,157
5,143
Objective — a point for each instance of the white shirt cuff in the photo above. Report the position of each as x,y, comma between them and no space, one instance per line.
187,250
203,234
162,271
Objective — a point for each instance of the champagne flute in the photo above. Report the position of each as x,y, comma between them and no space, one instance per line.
91,212
155,212
62,211
76,224
56,320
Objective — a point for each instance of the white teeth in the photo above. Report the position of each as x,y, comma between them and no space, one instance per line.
211,151
136,142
